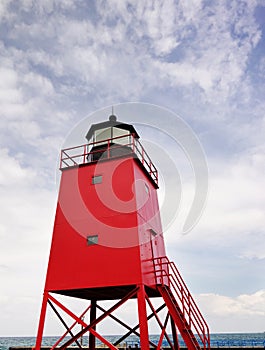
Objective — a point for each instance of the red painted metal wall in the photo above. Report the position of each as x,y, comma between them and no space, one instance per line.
122,211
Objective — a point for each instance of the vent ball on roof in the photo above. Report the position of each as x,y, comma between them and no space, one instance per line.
112,118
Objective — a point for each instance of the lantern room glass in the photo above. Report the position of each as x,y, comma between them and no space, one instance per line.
119,136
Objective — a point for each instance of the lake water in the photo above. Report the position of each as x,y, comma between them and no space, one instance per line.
217,340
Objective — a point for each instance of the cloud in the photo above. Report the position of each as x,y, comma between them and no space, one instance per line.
12,173
233,217
262,68
11,97
245,304
242,313
27,210
4,9
162,43
23,202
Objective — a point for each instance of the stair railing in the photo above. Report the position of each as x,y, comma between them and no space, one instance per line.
168,275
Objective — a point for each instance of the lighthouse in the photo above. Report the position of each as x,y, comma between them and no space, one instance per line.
108,244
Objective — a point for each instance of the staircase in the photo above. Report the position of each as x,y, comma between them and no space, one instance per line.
181,305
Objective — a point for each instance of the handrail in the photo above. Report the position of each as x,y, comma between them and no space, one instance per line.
167,274
74,156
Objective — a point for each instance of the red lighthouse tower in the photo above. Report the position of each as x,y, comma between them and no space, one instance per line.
108,245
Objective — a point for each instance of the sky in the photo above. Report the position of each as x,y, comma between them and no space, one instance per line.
170,68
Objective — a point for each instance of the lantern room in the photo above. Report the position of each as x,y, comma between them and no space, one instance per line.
110,135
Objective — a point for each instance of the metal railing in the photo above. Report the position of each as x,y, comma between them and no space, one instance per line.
167,274
115,147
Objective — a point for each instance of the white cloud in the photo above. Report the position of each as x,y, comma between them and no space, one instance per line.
27,211
11,97
99,52
4,9
8,78
233,219
38,83
234,214
245,304
234,204
23,202
242,313
161,21
12,173
262,68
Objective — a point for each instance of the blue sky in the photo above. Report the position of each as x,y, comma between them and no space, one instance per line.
200,60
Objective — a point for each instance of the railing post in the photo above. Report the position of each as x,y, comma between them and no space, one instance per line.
84,156
189,310
133,143
61,162
182,300
108,150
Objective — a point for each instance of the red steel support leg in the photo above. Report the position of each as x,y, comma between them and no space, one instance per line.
143,322
93,316
42,320
174,334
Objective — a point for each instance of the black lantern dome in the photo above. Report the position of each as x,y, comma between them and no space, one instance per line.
110,130
111,136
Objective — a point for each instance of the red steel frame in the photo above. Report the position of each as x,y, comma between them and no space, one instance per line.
142,300
165,271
